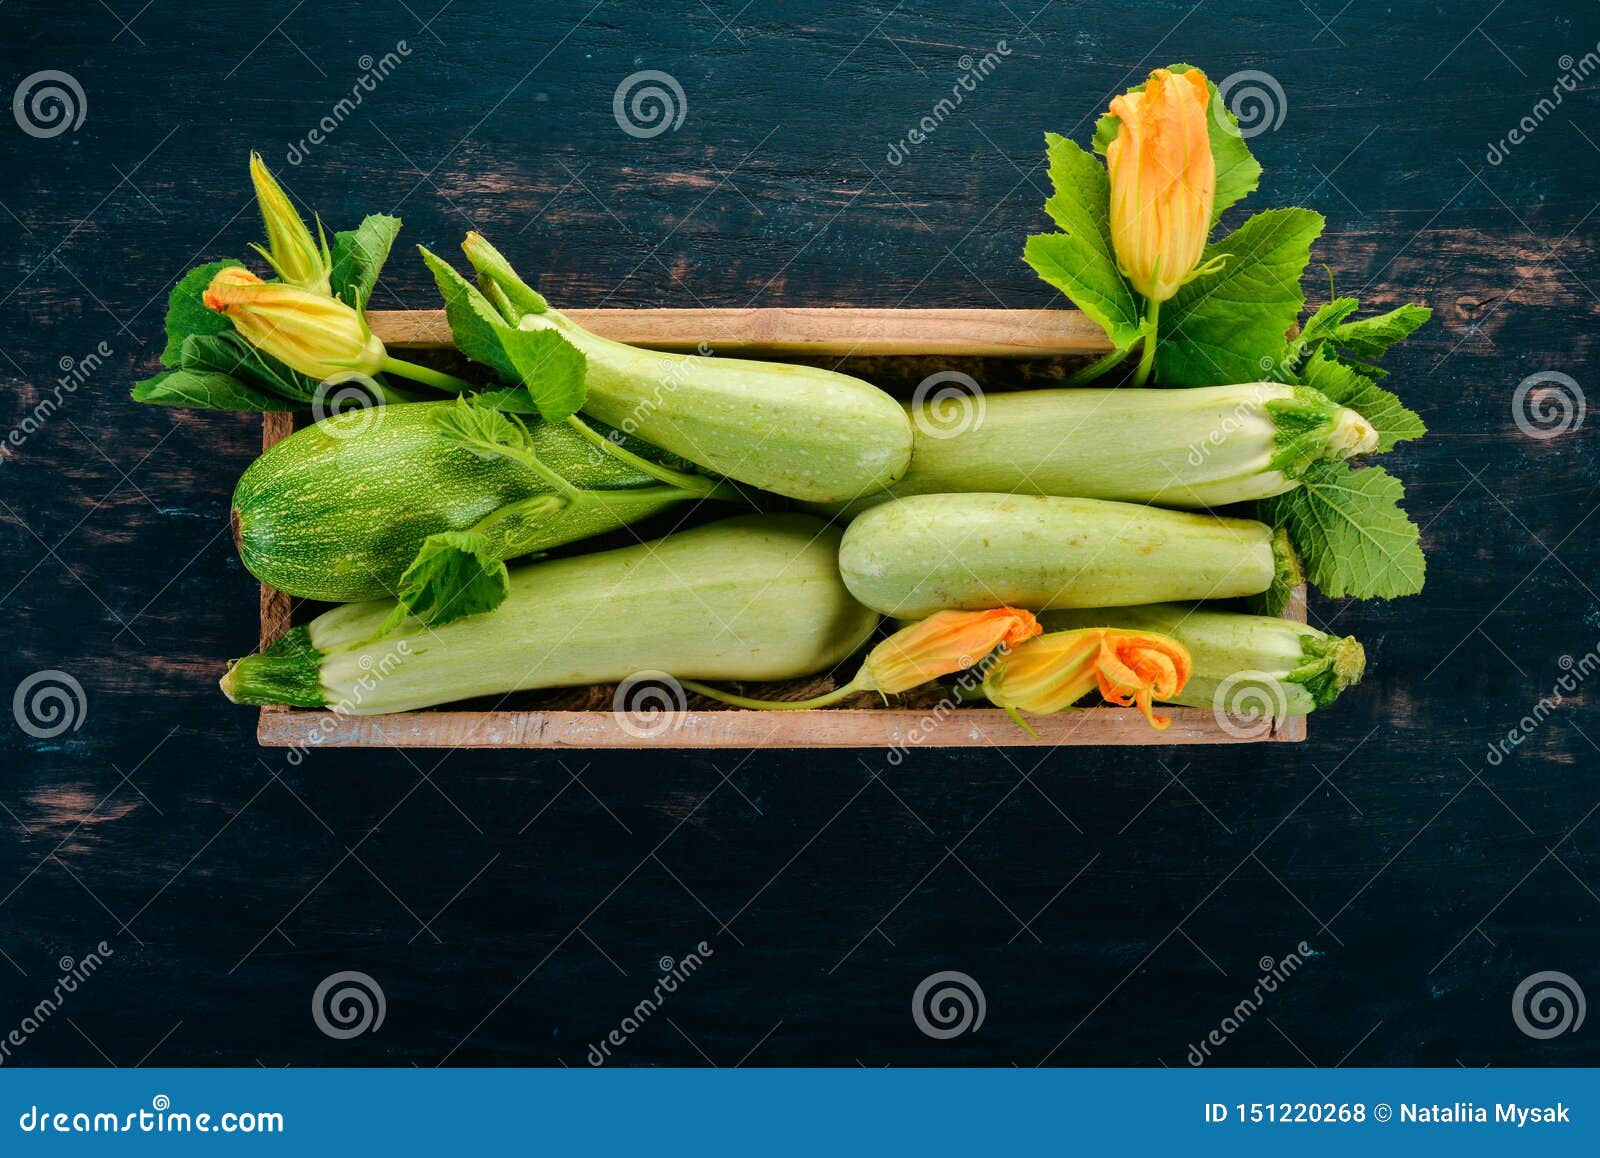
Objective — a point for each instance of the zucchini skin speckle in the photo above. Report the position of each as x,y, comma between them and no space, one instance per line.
336,511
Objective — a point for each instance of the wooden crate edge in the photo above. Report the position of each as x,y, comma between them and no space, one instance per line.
886,728
1020,333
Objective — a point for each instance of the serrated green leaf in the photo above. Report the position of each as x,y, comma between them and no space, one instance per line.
1388,415
1232,326
230,354
1238,172
453,575
1350,532
206,390
481,428
1320,326
549,367
1079,260
358,257
187,314
1372,337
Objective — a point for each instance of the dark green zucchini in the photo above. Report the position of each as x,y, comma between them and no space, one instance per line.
338,510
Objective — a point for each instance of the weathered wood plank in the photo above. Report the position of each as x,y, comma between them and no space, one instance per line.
791,330
858,728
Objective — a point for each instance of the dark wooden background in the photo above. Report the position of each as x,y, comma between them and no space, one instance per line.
1113,905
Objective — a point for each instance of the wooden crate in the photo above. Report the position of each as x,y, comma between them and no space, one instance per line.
878,344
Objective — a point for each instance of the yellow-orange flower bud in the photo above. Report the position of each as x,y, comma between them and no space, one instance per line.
1163,181
291,250
945,642
316,335
1057,670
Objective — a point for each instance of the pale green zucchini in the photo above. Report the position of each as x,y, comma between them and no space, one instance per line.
337,511
798,431
1275,666
1196,448
914,556
750,598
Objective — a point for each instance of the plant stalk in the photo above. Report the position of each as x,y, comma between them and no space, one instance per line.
427,375
739,701
1147,356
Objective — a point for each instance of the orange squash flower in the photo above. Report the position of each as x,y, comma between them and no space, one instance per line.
1057,670
945,642
1163,181
316,335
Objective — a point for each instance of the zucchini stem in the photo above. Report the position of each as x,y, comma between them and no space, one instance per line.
739,701
392,394
427,375
1099,367
694,484
1147,356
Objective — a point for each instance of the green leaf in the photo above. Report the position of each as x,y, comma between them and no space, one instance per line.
551,370
549,367
481,428
1079,260
1372,337
1344,385
453,575
206,390
187,314
1350,532
1232,326
1321,325
230,354
513,398
358,257
1238,172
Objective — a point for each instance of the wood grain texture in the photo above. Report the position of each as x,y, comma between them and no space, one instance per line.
885,728
791,330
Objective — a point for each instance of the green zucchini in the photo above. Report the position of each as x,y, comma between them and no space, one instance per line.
751,598
1205,447
337,511
914,556
799,431
1275,667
